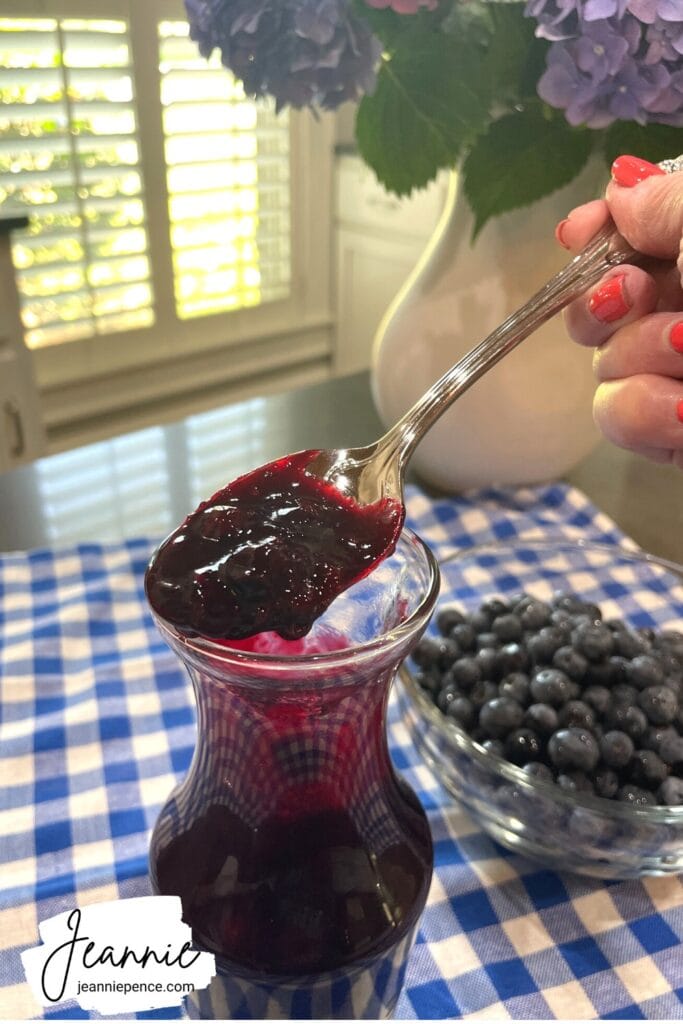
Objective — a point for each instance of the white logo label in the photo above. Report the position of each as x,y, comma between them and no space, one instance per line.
126,955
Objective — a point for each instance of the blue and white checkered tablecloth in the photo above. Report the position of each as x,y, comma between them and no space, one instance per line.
98,725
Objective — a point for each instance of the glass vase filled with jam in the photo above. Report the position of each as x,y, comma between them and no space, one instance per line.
301,858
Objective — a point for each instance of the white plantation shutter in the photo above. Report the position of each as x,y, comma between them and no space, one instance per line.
171,216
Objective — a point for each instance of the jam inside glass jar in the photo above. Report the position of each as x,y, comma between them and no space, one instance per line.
301,858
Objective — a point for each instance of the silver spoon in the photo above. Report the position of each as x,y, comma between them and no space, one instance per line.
377,470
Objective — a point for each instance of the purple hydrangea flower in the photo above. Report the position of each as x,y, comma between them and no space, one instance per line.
305,53
664,42
557,19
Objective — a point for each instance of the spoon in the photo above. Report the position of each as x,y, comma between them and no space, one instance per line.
377,471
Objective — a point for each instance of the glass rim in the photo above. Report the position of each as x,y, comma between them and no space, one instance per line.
202,647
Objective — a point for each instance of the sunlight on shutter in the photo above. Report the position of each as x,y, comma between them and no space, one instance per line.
69,158
228,184
221,443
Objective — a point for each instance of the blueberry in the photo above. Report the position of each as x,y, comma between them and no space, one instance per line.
670,749
550,686
522,745
570,662
429,681
626,719
435,652
606,782
568,602
480,621
542,645
487,660
573,749
465,636
542,718
616,748
466,671
487,640
643,671
598,673
494,607
671,792
636,796
534,614
507,627
515,685
577,714
448,617
575,782
445,696
594,640
659,704
462,712
624,694
482,692
599,698
647,769
512,657
628,644
494,747
500,716
618,670
538,770
654,735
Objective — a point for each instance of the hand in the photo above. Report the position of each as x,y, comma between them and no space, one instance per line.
633,317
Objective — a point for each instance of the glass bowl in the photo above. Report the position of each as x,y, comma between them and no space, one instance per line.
564,830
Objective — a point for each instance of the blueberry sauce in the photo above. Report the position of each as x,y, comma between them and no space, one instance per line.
269,552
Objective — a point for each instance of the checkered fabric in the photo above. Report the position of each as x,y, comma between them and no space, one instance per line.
98,726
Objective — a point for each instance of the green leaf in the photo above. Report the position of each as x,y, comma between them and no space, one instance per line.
521,158
428,105
514,58
653,142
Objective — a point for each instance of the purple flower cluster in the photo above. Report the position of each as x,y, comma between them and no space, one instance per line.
612,59
305,53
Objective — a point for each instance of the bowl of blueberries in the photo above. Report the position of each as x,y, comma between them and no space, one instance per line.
547,697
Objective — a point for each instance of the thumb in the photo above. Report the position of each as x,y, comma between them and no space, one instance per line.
650,214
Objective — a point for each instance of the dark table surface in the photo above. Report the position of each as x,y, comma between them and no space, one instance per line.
144,483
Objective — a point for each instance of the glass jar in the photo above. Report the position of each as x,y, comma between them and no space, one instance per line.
301,858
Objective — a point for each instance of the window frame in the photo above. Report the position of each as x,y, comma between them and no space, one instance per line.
103,372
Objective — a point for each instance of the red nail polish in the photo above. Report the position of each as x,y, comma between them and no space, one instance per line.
608,302
679,410
628,171
560,230
676,337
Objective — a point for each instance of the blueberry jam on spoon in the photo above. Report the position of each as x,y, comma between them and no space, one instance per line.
269,552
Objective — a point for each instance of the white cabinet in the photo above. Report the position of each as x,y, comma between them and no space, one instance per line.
21,433
379,239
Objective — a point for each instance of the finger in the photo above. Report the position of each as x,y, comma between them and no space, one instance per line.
653,344
621,297
579,226
641,412
649,214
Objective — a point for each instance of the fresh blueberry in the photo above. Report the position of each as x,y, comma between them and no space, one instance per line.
606,782
599,698
448,617
466,671
500,716
480,621
522,745
569,661
445,696
550,686
577,714
465,636
542,718
573,749
617,667
430,682
568,602
515,685
542,645
616,748
659,704
624,694
670,792
538,770
636,796
494,607
594,640
507,627
487,640
670,749
482,692
487,660
512,657
598,673
575,782
462,712
494,747
533,615
435,652
628,644
644,670
647,769
626,719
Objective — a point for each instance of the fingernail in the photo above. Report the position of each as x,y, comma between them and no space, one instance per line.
676,337
560,230
628,171
679,410
608,302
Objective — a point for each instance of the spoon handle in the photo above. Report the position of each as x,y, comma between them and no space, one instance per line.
606,250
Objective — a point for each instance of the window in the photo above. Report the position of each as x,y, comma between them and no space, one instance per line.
171,216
